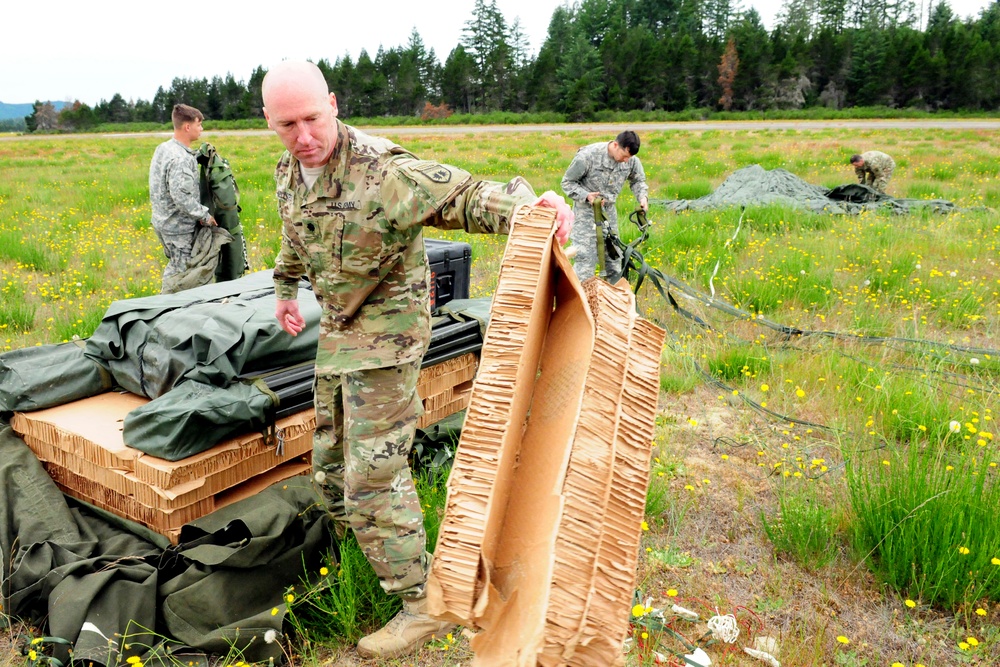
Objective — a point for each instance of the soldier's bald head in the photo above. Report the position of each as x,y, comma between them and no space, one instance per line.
300,108
299,77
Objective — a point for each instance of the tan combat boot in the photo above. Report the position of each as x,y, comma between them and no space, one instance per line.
410,629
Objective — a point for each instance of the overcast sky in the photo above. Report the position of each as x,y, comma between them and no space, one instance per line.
61,50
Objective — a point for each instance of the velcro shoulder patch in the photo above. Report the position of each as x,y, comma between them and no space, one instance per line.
438,181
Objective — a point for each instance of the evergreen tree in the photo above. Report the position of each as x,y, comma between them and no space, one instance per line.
580,80
486,40
543,82
458,81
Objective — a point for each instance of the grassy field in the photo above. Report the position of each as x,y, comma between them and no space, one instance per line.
835,492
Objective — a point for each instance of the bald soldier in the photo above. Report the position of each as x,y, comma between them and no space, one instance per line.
353,207
873,168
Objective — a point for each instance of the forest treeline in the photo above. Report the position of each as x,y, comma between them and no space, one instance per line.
625,55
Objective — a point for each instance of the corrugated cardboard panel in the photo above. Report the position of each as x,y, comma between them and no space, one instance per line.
169,522
127,484
439,377
90,428
588,479
88,431
459,401
294,431
479,486
606,625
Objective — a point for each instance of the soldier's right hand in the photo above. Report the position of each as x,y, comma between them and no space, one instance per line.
289,317
210,222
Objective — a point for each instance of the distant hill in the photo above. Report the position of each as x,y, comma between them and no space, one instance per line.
21,110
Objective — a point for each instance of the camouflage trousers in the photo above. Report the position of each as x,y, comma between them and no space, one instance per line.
881,182
177,248
365,423
584,237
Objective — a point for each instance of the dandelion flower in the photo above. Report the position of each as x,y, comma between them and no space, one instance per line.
274,611
964,551
995,561
972,641
320,476
672,593
645,526
638,610
843,640
898,664
980,612
963,646
954,426
323,571
799,392
32,655
270,636
764,387
910,603
289,598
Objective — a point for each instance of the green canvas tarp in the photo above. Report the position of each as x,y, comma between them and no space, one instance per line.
212,334
756,186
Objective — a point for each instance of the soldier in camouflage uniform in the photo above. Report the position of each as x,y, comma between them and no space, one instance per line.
873,168
353,208
174,193
600,171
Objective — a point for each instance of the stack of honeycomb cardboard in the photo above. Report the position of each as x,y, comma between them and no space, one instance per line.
80,444
539,543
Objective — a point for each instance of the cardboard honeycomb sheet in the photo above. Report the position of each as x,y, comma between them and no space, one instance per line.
589,477
539,543
490,444
610,598
80,443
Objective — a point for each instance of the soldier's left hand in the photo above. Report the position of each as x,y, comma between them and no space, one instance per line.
644,204
564,214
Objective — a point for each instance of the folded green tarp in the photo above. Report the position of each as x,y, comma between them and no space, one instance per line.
211,334
34,378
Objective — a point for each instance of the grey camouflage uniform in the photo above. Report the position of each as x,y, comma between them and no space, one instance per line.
594,170
175,198
357,236
876,171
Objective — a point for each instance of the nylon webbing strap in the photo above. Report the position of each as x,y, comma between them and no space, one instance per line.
599,224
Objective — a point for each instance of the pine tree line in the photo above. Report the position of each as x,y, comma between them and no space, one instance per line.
648,55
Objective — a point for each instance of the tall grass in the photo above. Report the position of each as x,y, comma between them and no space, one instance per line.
926,520
804,526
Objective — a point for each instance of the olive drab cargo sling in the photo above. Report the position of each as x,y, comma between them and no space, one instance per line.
221,195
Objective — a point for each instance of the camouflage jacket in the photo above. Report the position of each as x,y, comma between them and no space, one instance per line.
593,170
173,189
356,235
877,163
